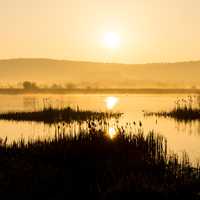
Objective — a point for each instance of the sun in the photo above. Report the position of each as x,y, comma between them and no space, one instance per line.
111,40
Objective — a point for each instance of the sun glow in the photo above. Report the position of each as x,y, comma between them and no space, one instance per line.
111,132
111,102
111,40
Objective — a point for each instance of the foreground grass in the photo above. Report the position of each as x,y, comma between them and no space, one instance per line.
53,115
93,165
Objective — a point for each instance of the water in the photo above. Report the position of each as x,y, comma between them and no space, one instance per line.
181,137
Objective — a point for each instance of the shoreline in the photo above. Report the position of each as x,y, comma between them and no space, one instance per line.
16,91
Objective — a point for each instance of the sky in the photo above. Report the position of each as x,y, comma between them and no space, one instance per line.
149,30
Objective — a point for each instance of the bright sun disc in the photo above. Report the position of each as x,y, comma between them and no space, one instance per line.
111,40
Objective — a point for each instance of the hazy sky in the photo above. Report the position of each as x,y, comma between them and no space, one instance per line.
150,30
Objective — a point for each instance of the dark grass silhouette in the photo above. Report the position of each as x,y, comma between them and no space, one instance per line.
184,110
52,115
95,166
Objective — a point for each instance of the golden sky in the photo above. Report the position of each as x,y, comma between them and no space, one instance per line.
149,30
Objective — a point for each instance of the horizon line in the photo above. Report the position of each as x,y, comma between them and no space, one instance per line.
98,62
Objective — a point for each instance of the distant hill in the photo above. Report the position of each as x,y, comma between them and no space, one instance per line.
181,74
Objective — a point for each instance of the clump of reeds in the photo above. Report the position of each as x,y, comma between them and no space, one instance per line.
94,165
52,115
185,109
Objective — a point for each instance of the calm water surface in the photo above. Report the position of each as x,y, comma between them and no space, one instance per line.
181,137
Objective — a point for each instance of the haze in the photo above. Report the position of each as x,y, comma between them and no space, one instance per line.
100,75
150,31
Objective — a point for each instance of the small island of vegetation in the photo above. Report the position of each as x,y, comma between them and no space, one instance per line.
185,109
53,115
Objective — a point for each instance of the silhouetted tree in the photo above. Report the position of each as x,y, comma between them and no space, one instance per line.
56,86
70,86
27,85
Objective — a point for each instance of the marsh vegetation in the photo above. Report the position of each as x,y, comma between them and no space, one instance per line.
53,115
94,165
185,109
98,162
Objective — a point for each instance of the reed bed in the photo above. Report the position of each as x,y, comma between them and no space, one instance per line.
185,109
94,165
53,115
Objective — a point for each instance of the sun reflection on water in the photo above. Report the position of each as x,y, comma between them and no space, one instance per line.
111,132
111,102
